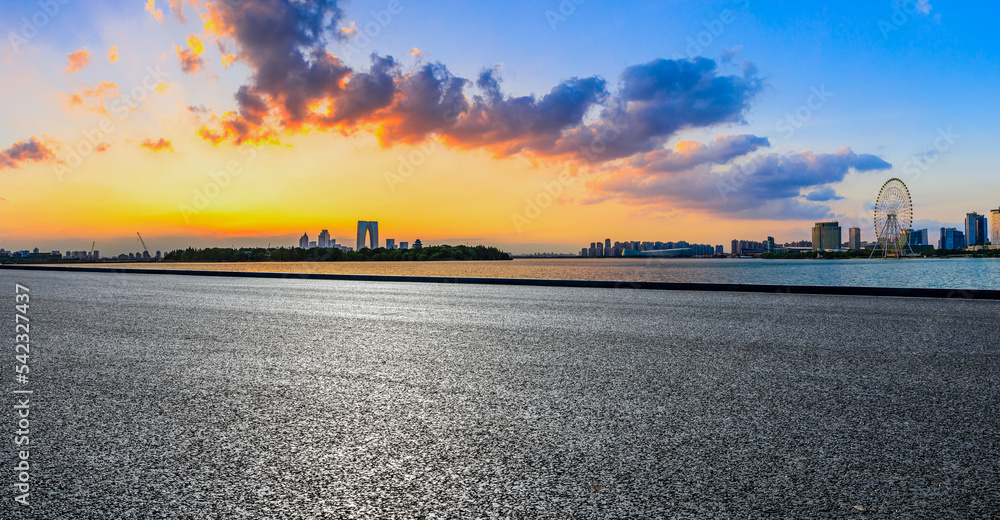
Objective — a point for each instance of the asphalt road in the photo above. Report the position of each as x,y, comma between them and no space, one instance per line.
187,397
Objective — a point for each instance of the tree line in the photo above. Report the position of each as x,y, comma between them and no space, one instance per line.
330,254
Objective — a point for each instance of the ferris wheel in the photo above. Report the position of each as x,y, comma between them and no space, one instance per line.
893,219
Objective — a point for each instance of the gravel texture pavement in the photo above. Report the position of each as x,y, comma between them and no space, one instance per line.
188,397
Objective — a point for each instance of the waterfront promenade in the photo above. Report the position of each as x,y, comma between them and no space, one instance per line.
186,396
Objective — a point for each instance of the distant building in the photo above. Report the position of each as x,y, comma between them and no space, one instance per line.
748,248
97,255
770,244
975,229
304,241
951,238
918,237
390,243
312,244
600,249
826,236
995,225
607,247
854,238
719,250
324,239
583,252
404,245
369,228
417,244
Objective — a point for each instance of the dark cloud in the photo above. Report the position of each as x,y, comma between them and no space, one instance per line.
762,187
656,100
823,194
366,92
31,151
689,154
293,78
283,43
189,61
430,99
509,125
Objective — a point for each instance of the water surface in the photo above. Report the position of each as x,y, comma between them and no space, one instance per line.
951,273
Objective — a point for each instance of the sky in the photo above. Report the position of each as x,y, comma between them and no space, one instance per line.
533,126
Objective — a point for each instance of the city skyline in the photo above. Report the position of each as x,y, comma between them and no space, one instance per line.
161,117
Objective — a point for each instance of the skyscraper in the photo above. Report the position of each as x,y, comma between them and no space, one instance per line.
304,241
951,238
854,238
918,237
324,239
995,226
390,243
827,235
367,228
975,229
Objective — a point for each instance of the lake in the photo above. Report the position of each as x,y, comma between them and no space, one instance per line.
950,273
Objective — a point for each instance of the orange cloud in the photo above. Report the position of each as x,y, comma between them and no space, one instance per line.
157,13
196,45
190,58
177,7
155,146
78,60
20,152
103,90
113,54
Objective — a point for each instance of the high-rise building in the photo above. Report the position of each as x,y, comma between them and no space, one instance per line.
607,246
995,226
390,243
324,239
583,252
593,249
826,235
951,238
600,249
304,241
404,245
369,228
975,229
854,238
918,237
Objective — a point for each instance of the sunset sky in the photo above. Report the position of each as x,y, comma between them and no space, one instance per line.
530,125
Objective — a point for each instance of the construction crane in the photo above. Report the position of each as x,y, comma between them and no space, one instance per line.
92,259
144,248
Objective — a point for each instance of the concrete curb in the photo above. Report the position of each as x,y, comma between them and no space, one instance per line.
965,294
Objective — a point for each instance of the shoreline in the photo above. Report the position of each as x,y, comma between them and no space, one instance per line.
965,294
